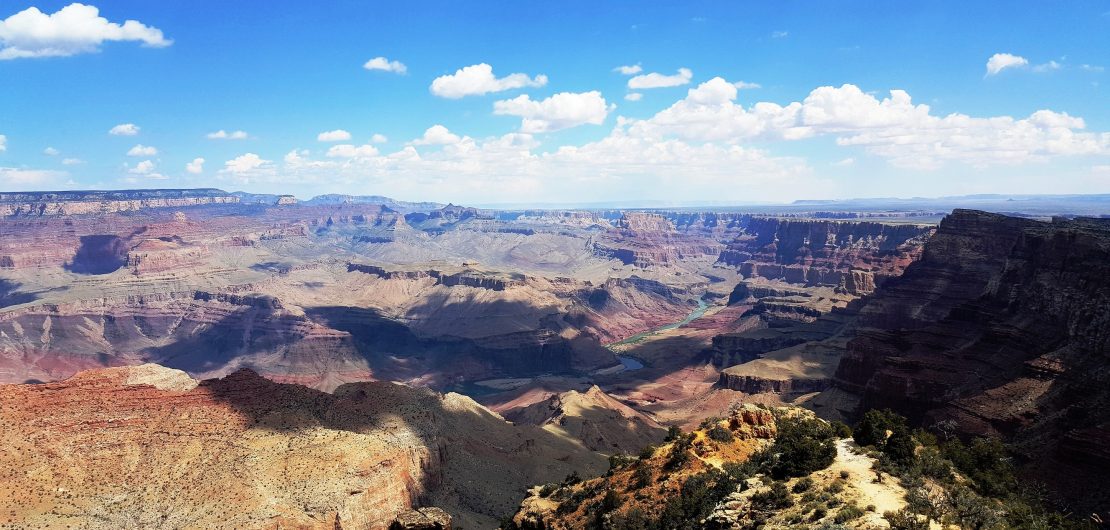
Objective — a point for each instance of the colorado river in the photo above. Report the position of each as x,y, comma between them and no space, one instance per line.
631,363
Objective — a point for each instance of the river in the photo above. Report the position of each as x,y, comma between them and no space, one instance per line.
631,363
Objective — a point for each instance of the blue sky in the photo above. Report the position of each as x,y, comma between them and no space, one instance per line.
761,101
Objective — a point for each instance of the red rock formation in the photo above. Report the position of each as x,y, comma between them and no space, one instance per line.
149,447
1002,328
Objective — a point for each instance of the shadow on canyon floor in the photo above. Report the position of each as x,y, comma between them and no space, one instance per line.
99,254
11,295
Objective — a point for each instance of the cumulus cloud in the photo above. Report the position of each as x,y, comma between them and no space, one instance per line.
245,163
744,85
75,29
385,65
560,111
894,128
378,139
633,96
437,135
657,80
631,69
478,79
124,129
72,161
142,168
1001,61
195,167
780,34
338,135
50,151
224,135
352,151
142,150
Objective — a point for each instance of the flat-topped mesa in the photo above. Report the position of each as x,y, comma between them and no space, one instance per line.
646,240
853,257
63,203
468,278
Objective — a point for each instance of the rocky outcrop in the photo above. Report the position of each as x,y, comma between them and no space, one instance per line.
149,447
63,203
431,518
597,419
853,257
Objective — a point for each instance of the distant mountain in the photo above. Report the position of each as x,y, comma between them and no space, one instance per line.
334,198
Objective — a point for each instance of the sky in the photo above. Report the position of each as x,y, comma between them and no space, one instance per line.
558,102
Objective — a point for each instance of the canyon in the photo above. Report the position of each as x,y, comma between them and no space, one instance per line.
452,357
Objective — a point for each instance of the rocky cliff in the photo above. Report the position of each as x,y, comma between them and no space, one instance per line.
1002,328
853,257
149,447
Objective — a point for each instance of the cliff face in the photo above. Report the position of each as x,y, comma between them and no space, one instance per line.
149,447
1003,327
854,257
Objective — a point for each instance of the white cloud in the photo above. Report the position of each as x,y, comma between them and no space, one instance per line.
50,151
338,135
124,129
74,29
385,65
560,111
72,161
142,168
1001,61
352,151
245,163
22,179
780,34
195,167
378,139
744,85
633,96
3,143
1092,68
632,69
142,150
1050,66
893,128
844,162
478,79
437,135
657,80
224,135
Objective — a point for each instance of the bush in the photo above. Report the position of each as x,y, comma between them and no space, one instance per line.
904,520
900,446
611,501
850,512
548,489
776,498
647,452
673,433
872,429
804,445
720,433
642,476
841,429
802,485
986,462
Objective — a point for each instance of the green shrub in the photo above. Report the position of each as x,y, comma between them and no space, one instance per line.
904,520
719,433
802,485
841,429
849,512
872,429
647,452
775,498
673,433
803,445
